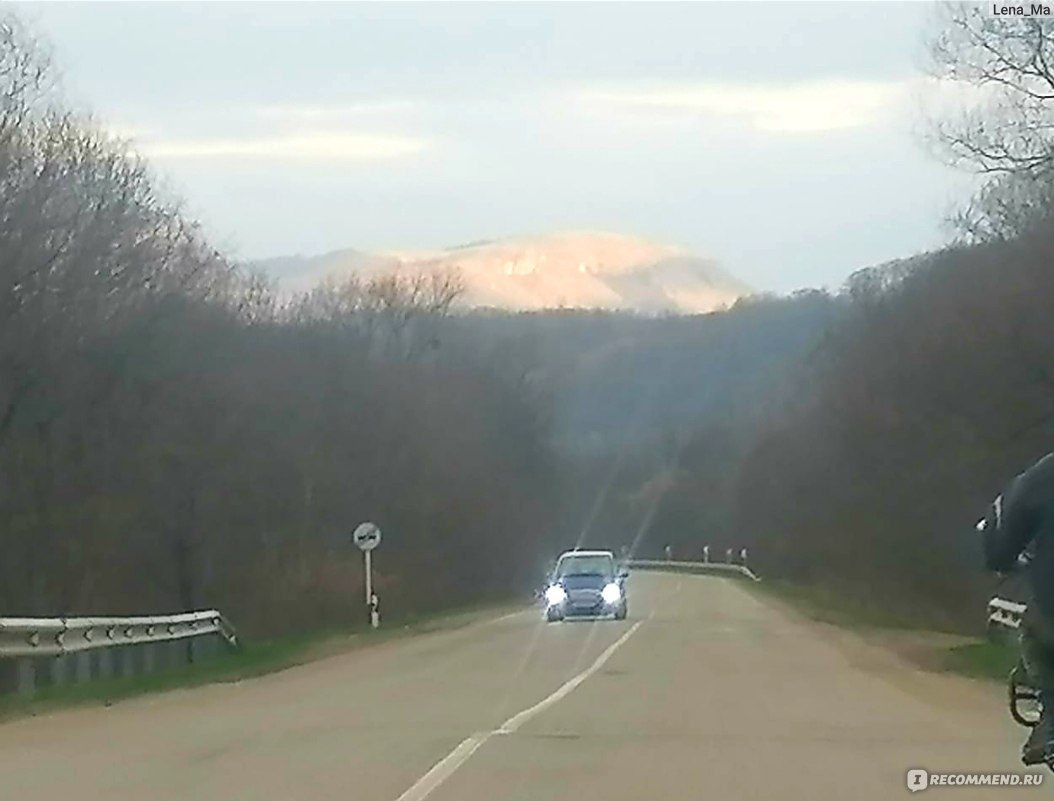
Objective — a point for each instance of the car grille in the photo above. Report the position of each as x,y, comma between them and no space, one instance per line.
584,597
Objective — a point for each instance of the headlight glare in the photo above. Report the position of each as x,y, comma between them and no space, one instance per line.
611,593
555,595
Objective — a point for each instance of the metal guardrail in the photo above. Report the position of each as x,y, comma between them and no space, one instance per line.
40,652
1005,614
694,567
29,636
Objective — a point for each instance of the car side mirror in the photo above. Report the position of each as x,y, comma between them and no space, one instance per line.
623,574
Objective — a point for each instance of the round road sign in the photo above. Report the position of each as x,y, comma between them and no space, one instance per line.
367,536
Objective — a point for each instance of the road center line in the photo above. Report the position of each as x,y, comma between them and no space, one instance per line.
517,720
446,767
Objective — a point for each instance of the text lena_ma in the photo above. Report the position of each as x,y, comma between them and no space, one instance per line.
1030,10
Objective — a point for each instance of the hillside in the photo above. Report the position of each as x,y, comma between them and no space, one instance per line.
590,270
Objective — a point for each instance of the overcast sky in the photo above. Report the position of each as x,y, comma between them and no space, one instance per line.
781,138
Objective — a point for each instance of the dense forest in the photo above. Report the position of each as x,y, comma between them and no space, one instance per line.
172,437
929,388
175,434
851,439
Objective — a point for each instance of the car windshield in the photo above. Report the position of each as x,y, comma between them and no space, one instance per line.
591,565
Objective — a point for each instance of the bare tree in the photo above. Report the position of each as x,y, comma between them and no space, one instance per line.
1004,127
172,437
394,312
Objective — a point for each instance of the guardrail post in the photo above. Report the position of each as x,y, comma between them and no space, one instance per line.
205,647
995,633
105,663
59,670
149,658
25,676
160,658
177,654
166,656
125,661
81,666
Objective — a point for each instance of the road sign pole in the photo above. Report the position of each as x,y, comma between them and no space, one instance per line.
372,616
366,555
367,537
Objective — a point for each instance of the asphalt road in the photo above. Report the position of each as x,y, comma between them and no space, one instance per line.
705,692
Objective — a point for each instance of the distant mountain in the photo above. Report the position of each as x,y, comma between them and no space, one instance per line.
563,270
300,273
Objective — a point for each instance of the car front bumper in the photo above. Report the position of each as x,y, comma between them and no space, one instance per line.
601,609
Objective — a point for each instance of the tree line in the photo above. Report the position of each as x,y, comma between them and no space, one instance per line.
174,435
932,385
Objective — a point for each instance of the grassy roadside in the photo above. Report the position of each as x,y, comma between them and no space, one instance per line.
253,658
829,606
982,660
974,657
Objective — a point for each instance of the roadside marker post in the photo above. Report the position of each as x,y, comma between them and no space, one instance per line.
366,537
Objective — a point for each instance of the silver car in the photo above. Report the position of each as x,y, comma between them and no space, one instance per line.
586,583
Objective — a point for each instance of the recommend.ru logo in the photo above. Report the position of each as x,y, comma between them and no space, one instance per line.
920,779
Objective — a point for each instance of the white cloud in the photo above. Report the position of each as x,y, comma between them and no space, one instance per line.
299,113
943,96
122,131
792,108
306,146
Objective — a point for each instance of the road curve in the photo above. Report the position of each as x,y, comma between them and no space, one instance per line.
706,692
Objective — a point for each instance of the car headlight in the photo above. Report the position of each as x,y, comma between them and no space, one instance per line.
611,593
555,595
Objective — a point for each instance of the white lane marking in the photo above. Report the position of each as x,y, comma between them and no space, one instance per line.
494,620
446,767
517,720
